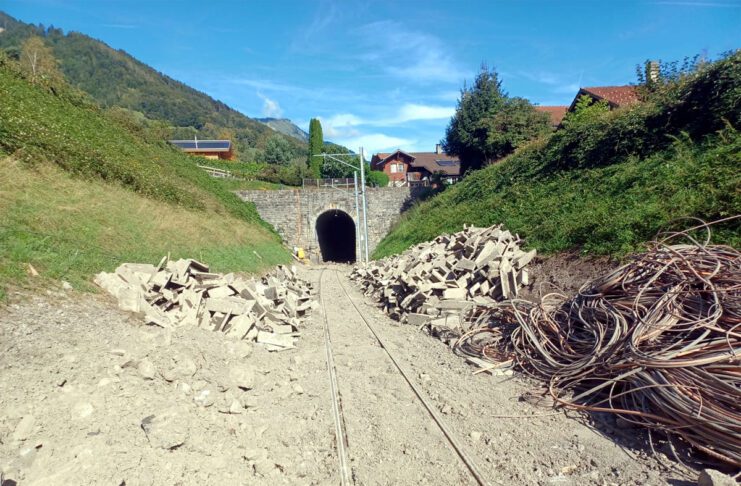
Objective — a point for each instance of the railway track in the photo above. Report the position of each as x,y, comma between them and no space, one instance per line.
423,419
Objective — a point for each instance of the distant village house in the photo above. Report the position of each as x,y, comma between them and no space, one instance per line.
556,113
615,96
210,149
417,168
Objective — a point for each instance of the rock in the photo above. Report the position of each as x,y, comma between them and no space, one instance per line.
185,368
447,276
168,374
66,285
711,477
25,428
235,407
26,457
205,398
167,429
264,467
241,349
184,293
146,369
475,436
298,389
242,376
82,410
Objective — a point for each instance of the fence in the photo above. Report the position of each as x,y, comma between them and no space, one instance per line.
341,183
214,172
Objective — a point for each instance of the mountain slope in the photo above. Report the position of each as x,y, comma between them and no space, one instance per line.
609,185
286,127
80,193
114,78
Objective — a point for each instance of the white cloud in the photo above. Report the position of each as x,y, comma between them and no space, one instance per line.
374,142
413,111
270,107
419,57
340,125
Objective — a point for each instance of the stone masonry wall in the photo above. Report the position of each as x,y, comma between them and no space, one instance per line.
293,212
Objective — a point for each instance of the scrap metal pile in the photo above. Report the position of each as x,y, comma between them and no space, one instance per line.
657,341
435,280
184,293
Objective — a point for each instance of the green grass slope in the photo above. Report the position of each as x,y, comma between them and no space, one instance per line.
79,194
609,186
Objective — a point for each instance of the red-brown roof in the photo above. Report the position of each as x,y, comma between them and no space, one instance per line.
435,162
430,161
555,112
616,96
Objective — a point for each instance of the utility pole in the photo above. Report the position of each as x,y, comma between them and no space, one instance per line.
365,204
358,243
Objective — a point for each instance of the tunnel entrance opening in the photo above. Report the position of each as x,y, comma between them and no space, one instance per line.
335,230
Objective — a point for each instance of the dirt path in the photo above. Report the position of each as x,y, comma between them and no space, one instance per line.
391,439
78,407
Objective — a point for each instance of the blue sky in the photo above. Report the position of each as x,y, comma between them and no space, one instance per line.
386,75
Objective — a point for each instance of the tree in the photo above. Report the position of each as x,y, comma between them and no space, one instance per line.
278,151
488,124
316,146
331,168
515,123
38,61
585,111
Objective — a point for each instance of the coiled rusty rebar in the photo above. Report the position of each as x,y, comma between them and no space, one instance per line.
657,341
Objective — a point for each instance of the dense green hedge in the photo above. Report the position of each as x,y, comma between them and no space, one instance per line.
607,186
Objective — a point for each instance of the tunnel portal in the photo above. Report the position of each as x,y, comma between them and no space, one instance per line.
335,231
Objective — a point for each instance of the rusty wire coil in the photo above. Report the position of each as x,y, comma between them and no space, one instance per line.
657,341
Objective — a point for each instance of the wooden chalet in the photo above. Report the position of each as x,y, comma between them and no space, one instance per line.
210,149
412,168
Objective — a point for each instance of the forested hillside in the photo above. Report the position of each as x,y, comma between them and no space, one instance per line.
609,181
114,78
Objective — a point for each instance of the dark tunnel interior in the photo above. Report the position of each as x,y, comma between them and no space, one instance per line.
336,232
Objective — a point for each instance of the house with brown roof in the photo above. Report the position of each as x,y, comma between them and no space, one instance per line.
615,96
410,168
556,113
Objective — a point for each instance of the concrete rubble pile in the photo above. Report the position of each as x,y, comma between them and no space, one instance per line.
436,283
179,293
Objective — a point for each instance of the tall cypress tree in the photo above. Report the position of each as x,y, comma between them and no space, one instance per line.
316,146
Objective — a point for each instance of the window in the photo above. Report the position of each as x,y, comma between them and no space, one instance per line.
397,168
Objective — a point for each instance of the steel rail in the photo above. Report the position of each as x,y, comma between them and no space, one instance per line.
339,419
467,461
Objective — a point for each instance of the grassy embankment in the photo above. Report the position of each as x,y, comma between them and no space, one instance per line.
79,194
608,186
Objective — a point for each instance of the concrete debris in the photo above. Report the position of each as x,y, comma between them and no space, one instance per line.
446,277
270,310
